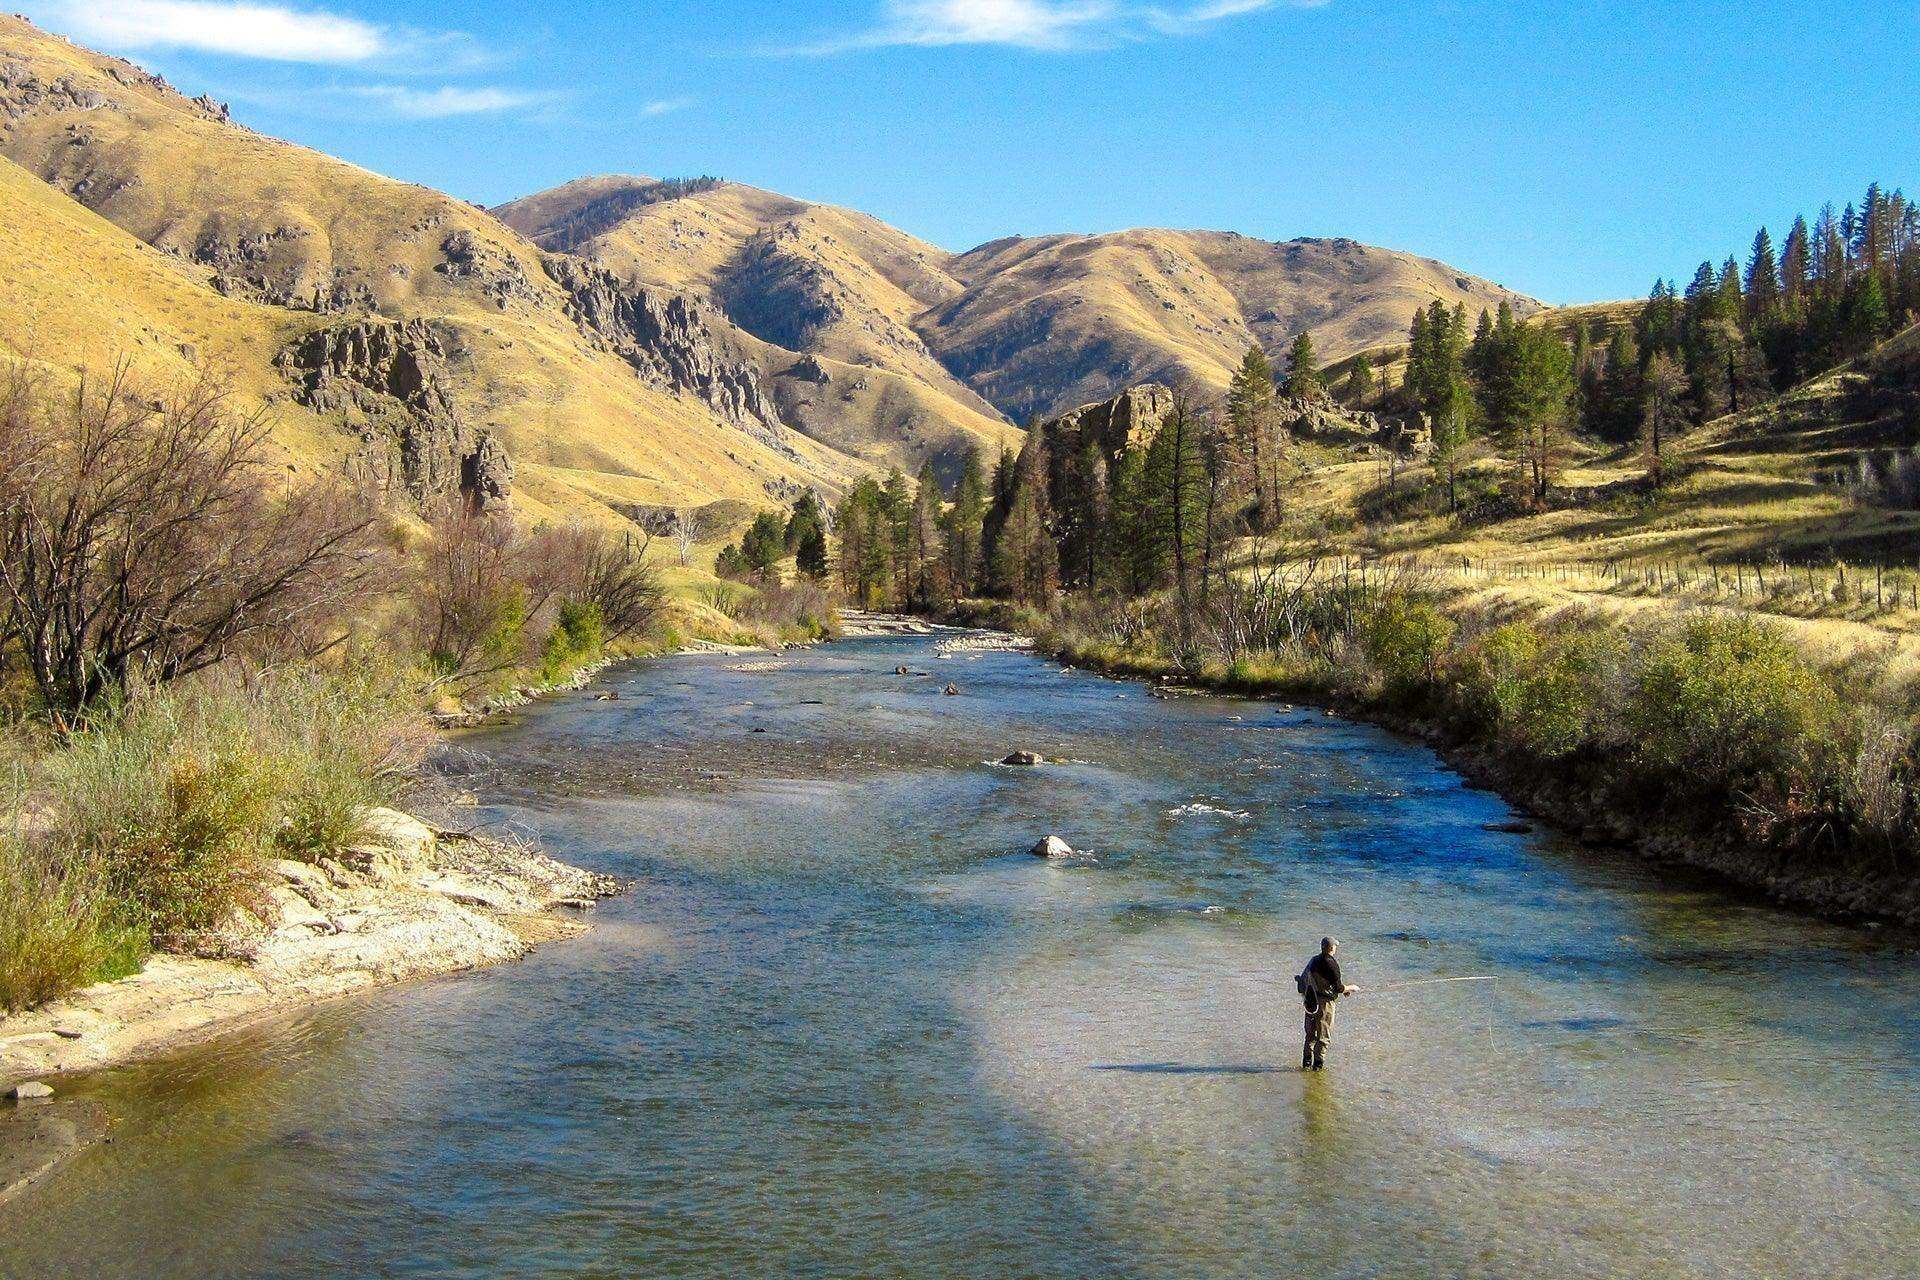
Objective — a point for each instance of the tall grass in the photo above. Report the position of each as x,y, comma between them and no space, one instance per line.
160,815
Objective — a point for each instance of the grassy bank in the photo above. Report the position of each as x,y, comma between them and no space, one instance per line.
1713,738
152,824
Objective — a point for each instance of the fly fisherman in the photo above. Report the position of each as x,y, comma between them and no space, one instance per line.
1320,985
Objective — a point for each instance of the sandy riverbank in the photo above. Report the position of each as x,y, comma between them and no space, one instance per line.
407,902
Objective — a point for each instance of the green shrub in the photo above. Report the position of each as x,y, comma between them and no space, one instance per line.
58,930
180,797
1405,640
1565,698
1492,672
1726,705
578,637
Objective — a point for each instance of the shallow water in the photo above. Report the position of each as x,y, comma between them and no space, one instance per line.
844,1027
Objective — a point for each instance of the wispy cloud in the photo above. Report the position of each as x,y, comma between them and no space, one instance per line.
448,101
664,107
269,31
1050,25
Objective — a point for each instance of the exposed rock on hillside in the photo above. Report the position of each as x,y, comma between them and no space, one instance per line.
667,338
23,94
1320,417
384,382
1131,417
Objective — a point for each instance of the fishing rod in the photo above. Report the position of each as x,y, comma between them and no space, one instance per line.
1425,982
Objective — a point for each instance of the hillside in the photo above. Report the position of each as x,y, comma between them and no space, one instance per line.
1050,323
621,346
1018,328
828,296
428,327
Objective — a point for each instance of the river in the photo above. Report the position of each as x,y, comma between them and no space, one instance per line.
843,1026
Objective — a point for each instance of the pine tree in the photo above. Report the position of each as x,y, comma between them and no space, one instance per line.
1303,369
1621,387
1539,372
1864,318
962,526
1360,383
1026,564
1251,425
764,543
810,555
806,515
1763,282
1176,483
1796,264
923,539
1666,389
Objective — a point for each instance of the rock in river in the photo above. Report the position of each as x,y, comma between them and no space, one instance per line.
29,1091
1053,847
1025,758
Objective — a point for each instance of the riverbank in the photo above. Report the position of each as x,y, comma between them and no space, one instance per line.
1568,801
1579,795
406,901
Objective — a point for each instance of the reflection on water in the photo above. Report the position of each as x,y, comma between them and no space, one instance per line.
845,1028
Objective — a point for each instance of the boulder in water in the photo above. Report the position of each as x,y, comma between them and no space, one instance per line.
901,671
952,691
30,1090
1025,759
1053,847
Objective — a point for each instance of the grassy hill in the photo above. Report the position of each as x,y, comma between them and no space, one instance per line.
1051,323
1011,330
597,423
1762,512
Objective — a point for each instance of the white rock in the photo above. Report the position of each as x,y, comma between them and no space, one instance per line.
29,1091
1053,847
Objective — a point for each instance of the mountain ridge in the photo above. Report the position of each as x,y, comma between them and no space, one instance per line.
1029,325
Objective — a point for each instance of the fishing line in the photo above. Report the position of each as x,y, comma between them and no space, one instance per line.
1426,982
1434,982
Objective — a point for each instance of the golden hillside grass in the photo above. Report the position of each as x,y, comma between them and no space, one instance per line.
582,427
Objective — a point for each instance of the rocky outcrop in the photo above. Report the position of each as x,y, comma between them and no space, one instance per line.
666,338
1319,417
383,380
23,94
1132,417
496,274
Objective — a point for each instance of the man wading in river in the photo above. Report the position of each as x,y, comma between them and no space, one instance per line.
1320,985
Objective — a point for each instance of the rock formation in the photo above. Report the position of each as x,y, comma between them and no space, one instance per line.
383,381
1320,417
666,338
1132,417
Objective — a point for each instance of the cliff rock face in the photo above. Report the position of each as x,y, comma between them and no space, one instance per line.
666,338
1131,417
383,380
1320,417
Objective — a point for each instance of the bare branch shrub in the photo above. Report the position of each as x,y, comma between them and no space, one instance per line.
141,540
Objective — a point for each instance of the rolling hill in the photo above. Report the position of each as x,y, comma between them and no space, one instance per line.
424,327
620,346
1021,327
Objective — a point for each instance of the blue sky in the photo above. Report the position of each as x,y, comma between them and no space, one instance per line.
1573,150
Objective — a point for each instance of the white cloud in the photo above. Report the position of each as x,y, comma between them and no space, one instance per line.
664,106
448,101
243,29
1038,24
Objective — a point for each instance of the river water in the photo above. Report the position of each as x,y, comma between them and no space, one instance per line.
843,1026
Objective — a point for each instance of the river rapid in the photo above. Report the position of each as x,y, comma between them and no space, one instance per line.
844,1026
